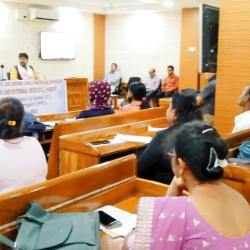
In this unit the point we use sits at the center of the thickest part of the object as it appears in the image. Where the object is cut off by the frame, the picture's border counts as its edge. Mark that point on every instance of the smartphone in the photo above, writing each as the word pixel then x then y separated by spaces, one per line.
pixel 109 221
pixel 99 142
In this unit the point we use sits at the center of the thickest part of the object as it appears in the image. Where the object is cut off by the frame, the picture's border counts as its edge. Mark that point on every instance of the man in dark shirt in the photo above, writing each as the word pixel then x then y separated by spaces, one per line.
pixel 206 99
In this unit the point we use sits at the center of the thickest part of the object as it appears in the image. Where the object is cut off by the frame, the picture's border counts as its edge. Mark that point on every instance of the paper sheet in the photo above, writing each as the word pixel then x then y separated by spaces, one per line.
pixel 133 138
pixel 70 119
pixel 121 138
pixel 152 129
pixel 127 220
pixel 51 124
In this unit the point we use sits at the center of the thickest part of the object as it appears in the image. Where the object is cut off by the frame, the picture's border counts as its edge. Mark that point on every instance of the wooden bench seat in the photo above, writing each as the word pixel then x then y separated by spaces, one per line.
pixel 76 152
pixel 84 190
pixel 92 124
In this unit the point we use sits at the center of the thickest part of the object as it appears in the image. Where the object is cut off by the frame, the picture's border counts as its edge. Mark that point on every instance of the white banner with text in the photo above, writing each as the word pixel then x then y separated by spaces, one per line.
pixel 40 97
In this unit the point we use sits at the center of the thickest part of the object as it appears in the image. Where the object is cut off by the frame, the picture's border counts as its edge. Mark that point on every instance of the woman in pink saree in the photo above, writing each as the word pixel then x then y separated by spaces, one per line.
pixel 212 217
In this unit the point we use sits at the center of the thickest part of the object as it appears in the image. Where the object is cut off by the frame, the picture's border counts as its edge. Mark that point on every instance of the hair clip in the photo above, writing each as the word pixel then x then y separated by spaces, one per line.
pixel 217 163
pixel 207 130
pixel 12 123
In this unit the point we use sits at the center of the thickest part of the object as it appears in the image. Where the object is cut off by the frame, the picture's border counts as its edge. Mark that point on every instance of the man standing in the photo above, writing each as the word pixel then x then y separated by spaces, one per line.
pixel 206 99
pixel 170 84
pixel 113 77
pixel 152 83
pixel 23 71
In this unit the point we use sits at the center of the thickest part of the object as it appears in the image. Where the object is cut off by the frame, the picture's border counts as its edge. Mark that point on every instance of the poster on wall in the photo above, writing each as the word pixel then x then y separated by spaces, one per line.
pixel 38 97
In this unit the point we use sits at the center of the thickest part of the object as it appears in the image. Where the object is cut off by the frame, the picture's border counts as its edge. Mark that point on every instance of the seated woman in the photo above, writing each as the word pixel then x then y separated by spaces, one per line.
pixel 154 164
pixel 99 94
pixel 213 216
pixel 23 162
pixel 136 98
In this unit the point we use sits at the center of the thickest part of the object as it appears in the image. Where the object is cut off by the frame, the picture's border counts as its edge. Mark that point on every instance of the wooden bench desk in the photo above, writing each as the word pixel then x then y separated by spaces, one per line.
pixel 76 152
pixel 91 124
pixel 84 190
pixel 60 117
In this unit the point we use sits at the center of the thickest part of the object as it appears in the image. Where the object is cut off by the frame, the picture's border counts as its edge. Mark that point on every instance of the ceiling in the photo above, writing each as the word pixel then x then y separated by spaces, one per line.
pixel 117 6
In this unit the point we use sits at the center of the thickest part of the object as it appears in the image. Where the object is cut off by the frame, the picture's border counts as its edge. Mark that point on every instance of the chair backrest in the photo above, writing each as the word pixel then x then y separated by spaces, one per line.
pixel 238 178
pixel 133 79
pixel 92 124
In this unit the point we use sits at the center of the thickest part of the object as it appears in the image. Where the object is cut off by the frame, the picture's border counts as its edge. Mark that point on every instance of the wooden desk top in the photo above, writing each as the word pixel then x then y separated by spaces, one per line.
pixel 81 142
pixel 128 202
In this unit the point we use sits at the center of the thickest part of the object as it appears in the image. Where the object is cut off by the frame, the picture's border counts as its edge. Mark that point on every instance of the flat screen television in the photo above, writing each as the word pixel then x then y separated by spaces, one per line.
pixel 209 37
pixel 57 46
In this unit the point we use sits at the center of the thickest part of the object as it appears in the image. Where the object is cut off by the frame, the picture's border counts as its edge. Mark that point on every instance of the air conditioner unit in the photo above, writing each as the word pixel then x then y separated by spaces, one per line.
pixel 42 14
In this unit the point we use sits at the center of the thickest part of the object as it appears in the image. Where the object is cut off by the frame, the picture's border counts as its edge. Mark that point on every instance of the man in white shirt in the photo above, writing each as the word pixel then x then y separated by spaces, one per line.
pixel 242 121
pixel 113 77
pixel 152 83
pixel 23 71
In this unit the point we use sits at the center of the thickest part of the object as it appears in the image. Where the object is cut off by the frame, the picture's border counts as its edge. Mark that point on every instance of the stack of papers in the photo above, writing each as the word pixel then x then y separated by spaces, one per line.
pixel 127 220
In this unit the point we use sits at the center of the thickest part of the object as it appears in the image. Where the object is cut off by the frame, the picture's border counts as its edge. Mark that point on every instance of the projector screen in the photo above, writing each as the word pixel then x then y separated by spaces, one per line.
pixel 57 46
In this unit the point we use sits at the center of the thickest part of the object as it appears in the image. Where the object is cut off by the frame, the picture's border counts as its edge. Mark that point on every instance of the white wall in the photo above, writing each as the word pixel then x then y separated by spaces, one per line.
pixel 24 36
pixel 143 40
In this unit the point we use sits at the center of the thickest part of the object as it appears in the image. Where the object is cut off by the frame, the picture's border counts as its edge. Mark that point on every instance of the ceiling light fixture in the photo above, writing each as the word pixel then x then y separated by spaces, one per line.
pixel 168 3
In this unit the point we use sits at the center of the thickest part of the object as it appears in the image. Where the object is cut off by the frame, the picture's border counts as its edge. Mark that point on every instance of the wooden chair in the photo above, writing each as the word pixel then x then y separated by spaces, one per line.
pixel 84 190
pixel 92 124
pixel 238 178
pixel 76 152
pixel 235 140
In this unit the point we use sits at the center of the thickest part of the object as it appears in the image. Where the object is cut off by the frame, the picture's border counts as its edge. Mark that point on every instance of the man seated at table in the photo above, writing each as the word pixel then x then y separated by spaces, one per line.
pixel 152 83
pixel 23 71
pixel 242 121
pixel 113 77
pixel 206 99
pixel 169 85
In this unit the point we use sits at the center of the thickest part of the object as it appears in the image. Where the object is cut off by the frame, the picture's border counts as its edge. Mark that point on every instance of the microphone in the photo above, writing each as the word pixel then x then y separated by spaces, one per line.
pixel 2 77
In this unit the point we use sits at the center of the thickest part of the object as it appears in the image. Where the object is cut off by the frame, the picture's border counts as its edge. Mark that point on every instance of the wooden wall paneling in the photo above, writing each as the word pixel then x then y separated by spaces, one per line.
pixel 233 61
pixel 189 63
pixel 99 47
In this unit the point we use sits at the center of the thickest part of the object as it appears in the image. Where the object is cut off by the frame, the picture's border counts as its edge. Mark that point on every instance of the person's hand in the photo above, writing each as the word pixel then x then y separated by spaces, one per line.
pixel 176 187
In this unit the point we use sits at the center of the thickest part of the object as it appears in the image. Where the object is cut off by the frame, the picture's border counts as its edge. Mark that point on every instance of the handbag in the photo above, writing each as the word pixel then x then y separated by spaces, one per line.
pixel 40 230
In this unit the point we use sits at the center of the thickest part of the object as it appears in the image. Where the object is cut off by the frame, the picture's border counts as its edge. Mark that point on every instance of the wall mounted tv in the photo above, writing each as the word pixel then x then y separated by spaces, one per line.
pixel 57 46
pixel 209 37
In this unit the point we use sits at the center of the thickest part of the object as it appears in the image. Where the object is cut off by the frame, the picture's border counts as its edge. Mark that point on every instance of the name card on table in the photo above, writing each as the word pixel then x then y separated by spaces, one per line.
pixel 40 97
